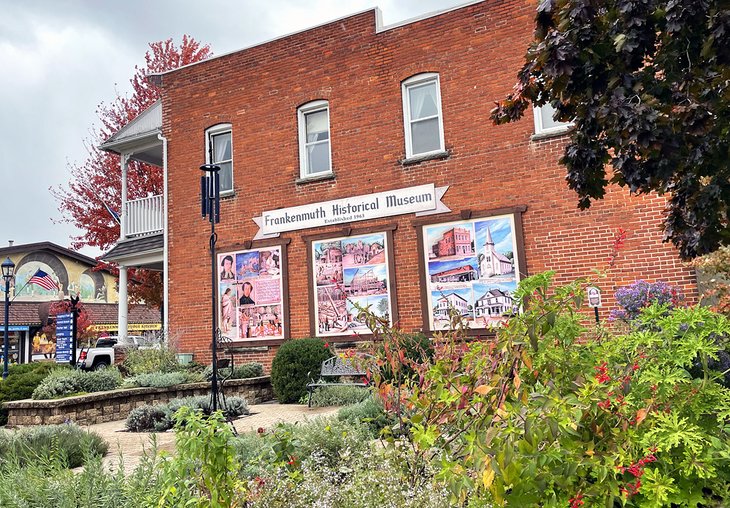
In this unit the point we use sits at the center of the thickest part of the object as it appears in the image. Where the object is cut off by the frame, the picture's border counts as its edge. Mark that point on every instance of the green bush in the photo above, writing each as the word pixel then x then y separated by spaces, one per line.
pixel 337 396
pixel 369 412
pixel 63 383
pixel 21 381
pixel 70 443
pixel 294 362
pixel 161 417
pixel 322 440
pixel 160 379
pixel 147 361
pixel 245 371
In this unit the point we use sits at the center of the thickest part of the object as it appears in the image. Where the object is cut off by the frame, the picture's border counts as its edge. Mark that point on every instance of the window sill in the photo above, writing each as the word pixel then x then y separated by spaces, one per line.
pixel 227 194
pixel 316 178
pixel 552 133
pixel 417 159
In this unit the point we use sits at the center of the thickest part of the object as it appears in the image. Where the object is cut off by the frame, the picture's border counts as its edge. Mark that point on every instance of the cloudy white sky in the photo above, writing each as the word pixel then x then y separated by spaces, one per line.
pixel 60 58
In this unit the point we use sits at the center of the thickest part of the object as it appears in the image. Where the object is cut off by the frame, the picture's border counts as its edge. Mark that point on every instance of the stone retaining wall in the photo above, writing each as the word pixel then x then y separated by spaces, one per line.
pixel 116 404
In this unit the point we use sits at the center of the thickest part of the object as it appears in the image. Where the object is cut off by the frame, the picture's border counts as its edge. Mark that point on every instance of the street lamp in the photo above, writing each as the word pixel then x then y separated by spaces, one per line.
pixel 8 269
pixel 210 208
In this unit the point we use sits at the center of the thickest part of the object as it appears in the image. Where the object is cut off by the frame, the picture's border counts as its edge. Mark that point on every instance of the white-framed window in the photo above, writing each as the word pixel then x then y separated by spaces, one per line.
pixel 315 154
pixel 422 118
pixel 544 122
pixel 219 150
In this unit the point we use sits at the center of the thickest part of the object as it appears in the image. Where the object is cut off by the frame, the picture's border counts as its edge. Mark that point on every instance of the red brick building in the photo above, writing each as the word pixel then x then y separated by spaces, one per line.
pixel 351 131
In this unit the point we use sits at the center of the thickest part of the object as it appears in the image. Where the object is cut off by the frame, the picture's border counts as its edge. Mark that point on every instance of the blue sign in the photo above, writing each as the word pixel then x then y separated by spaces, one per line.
pixel 14 328
pixel 64 337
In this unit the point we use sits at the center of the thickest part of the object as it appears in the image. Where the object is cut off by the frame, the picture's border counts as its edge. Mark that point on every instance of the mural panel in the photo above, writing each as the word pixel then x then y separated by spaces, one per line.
pixel 472 268
pixel 349 272
pixel 251 294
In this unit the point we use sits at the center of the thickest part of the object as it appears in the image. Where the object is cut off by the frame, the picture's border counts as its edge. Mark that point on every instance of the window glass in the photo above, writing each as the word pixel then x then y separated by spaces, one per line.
pixel 426 136
pixel 423 101
pixel 314 139
pixel 221 153
pixel 544 121
pixel 422 114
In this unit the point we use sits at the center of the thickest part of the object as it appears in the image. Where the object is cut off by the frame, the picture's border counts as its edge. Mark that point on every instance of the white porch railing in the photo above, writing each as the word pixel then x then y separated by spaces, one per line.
pixel 144 216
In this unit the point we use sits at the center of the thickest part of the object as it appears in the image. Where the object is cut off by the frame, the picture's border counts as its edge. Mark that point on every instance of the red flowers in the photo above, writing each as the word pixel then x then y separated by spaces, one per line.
pixel 637 471
pixel 326 345
pixel 602 373
pixel 577 501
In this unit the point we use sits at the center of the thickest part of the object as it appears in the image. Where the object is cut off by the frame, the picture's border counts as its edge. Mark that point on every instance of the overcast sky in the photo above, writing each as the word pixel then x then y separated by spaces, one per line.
pixel 60 58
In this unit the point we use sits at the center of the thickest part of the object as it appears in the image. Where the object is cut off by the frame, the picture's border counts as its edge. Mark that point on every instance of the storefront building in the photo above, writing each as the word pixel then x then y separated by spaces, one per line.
pixel 70 273
pixel 359 166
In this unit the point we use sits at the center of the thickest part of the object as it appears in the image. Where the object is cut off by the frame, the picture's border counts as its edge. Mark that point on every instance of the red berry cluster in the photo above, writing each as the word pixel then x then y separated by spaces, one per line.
pixel 637 471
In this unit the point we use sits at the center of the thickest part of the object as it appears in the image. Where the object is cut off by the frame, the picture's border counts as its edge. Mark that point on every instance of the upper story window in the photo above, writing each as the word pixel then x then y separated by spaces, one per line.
pixel 315 156
pixel 544 122
pixel 423 120
pixel 219 149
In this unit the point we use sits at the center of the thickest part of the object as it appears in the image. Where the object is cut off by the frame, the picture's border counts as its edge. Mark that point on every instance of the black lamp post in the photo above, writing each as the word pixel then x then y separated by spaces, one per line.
pixel 8 268
pixel 210 208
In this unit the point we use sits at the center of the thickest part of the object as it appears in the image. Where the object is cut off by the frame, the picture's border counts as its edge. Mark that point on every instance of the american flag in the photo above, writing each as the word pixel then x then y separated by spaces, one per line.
pixel 43 280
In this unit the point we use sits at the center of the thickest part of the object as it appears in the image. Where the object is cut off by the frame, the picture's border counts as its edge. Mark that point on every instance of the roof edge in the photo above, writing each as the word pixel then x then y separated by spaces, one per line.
pixel 156 78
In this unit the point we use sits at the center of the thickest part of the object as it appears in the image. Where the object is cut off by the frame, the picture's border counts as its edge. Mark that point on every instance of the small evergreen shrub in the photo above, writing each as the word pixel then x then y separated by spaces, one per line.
pixel 292 365
pixel 369 412
pixel 64 382
pixel 161 417
pixel 148 418
pixel 245 371
pixel 21 381
pixel 147 361
pixel 160 379
pixel 337 396
pixel 68 442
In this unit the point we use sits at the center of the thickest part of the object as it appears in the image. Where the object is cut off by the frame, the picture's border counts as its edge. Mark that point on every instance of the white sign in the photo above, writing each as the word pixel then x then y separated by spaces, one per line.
pixel 422 198
pixel 594 296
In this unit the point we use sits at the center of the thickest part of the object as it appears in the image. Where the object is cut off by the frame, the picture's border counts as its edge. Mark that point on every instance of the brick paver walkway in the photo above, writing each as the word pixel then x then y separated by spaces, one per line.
pixel 132 445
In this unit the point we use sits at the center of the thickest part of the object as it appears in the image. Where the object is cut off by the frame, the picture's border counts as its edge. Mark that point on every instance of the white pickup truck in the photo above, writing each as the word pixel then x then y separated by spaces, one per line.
pixel 101 356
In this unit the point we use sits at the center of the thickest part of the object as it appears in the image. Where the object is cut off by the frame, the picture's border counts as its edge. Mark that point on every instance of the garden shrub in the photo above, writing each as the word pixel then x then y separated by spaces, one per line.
pixel 417 349
pixel 161 417
pixel 634 297
pixel 64 382
pixel 244 371
pixel 147 361
pixel 160 379
pixel 555 413
pixel 68 442
pixel 370 412
pixel 21 381
pixel 294 362
pixel 337 396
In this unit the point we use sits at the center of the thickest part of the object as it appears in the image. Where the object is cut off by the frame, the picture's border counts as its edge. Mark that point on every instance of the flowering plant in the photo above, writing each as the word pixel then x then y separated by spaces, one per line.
pixel 641 294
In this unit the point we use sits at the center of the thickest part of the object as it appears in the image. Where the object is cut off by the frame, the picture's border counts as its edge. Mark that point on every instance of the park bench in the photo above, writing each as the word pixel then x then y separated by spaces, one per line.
pixel 338 367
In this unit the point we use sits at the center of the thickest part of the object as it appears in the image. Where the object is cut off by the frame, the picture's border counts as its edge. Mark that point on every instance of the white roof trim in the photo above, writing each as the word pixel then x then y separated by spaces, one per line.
pixel 147 122
pixel 379 28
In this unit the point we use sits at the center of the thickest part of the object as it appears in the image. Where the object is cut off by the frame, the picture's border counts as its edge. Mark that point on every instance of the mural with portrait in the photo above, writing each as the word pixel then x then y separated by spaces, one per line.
pixel 251 294
pixel 472 268
pixel 350 273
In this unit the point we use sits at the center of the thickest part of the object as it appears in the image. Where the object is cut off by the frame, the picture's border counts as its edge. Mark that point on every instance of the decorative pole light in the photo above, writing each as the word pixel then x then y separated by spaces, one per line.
pixel 210 208
pixel 8 269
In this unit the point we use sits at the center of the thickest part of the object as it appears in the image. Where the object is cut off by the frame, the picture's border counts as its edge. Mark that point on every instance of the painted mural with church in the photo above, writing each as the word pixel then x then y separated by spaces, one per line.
pixel 472 268
pixel 350 272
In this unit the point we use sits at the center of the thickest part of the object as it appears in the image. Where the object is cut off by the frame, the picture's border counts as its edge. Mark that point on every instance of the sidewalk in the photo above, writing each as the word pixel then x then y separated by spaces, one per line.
pixel 132 445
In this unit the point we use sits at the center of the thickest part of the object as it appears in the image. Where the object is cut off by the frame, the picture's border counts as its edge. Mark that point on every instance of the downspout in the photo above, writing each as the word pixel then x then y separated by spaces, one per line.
pixel 165 258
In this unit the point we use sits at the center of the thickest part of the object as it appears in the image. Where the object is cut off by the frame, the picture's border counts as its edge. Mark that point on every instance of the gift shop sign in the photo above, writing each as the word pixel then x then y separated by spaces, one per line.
pixel 421 200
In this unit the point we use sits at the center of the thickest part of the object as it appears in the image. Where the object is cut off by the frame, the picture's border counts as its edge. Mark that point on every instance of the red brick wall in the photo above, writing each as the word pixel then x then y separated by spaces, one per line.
pixel 477 51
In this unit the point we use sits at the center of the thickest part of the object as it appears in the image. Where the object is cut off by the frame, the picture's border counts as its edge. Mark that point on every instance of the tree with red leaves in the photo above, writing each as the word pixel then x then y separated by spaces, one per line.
pixel 98 180
pixel 84 332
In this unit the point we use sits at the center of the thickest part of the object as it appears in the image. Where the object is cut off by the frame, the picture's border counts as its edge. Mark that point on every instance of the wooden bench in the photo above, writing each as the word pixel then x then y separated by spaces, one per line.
pixel 337 367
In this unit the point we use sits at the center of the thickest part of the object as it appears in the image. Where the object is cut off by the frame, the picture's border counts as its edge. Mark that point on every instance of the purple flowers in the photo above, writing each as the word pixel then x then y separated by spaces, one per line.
pixel 640 294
